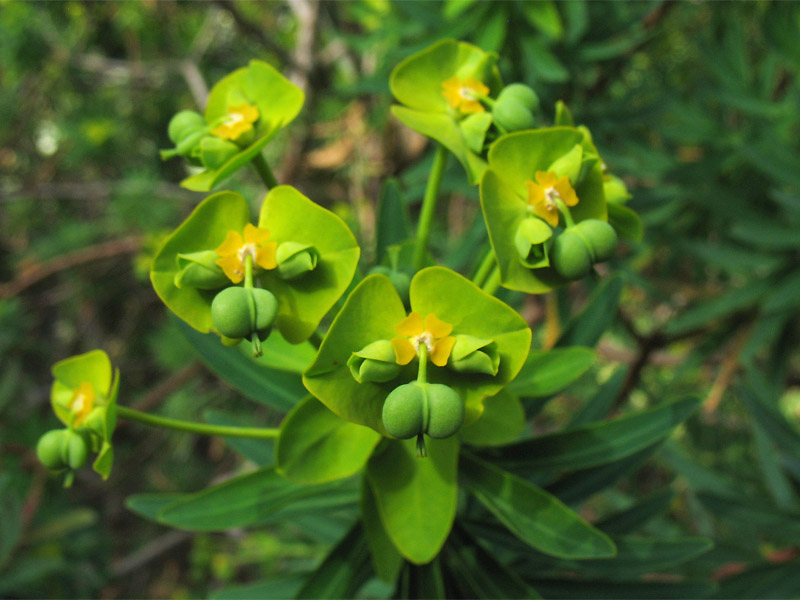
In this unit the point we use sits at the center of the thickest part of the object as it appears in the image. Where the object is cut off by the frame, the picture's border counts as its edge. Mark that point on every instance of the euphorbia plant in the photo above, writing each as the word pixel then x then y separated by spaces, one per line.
pixel 420 387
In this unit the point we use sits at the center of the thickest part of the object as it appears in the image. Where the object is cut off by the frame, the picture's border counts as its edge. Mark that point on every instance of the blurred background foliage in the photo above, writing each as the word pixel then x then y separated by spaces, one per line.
pixel 694 104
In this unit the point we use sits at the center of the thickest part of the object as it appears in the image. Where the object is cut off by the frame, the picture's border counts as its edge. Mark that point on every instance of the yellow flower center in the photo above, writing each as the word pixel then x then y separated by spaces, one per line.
pixel 82 403
pixel 434 334
pixel 236 248
pixel 239 120
pixel 463 94
pixel 545 193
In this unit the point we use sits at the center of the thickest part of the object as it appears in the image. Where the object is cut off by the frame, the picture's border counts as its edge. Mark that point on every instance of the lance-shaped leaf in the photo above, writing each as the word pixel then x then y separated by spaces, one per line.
pixel 386 560
pixel 278 102
pixel 548 372
pixel 417 83
pixel 514 160
pixel 416 497
pixel 533 515
pixel 316 446
pixel 371 313
pixel 596 444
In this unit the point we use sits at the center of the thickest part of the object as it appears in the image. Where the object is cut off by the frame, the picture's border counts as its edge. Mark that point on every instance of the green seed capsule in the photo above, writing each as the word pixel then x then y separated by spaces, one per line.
pixel 183 124
pixel 404 410
pixel 522 94
pixel 49 449
pixel 601 237
pixel 445 411
pixel 75 450
pixel 512 115
pixel 571 256
pixel 215 152
pixel 237 312
pixel 578 248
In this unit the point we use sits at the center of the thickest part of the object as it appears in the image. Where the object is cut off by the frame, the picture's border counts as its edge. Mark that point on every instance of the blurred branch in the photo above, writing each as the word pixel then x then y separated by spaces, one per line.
pixel 254 32
pixel 168 385
pixel 35 273
pixel 149 552
pixel 94 191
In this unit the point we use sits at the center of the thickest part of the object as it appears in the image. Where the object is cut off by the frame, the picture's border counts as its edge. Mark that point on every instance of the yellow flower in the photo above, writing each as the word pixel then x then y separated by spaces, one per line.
pixel 82 403
pixel 235 250
pixel 542 195
pixel 435 334
pixel 458 94
pixel 240 119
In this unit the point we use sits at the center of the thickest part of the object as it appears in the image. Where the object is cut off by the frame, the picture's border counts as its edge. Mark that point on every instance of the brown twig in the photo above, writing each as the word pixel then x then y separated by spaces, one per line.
pixel 727 371
pixel 35 273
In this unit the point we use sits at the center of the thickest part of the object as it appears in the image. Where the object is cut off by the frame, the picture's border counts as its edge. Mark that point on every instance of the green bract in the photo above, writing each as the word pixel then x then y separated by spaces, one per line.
pixel 290 217
pixel 515 159
pixel 278 102
pixel 95 369
pixel 371 313
pixel 417 83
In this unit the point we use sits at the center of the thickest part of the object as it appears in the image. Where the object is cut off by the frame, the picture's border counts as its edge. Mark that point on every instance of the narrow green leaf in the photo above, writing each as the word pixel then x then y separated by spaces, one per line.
pixel 753 516
pixel 10 517
pixel 536 517
pixel 392 223
pixel 416 497
pixel 149 505
pixel 762 404
pixel 619 590
pixel 548 372
pixel 261 452
pixel 730 302
pixel 775 479
pixel 343 571
pixel 478 574
pixel 316 446
pixel 281 389
pixel 599 405
pixel 626 222
pixel 426 581
pixel 543 15
pixel 596 444
pixel 577 487
pixel 274 588
pixel 600 312
pixel 632 518
pixel 763 580
pixel 386 560
pixel 255 498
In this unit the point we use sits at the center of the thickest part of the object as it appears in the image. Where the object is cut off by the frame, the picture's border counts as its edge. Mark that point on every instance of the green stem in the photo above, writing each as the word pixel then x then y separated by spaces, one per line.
pixel 564 210
pixel 493 282
pixel 248 285
pixel 485 268
pixel 266 174
pixel 422 373
pixel 202 428
pixel 429 206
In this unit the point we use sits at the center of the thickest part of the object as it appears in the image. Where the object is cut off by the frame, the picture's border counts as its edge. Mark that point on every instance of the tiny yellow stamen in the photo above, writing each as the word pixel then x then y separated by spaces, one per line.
pixel 461 95
pixel 236 248
pixel 82 403
pixel 434 334
pixel 240 120
pixel 543 193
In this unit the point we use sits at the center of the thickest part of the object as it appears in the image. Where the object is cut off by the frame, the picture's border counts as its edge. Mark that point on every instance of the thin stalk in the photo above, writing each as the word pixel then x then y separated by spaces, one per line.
pixel 248 285
pixel 422 372
pixel 564 210
pixel 201 428
pixel 429 206
pixel 266 174
pixel 493 282
pixel 485 268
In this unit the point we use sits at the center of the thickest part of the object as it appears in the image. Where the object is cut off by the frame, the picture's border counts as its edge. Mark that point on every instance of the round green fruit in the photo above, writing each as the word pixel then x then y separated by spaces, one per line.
pixel 75 450
pixel 404 411
pixel 237 312
pixel 445 411
pixel 49 449
pixel 570 255
pixel 512 115
pixel 183 124
pixel 601 237
pixel 521 93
